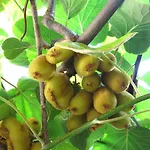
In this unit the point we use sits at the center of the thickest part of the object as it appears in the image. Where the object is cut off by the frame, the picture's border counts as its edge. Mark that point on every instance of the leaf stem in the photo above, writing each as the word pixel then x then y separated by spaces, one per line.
pixel 89 124
pixel 18 5
pixel 14 107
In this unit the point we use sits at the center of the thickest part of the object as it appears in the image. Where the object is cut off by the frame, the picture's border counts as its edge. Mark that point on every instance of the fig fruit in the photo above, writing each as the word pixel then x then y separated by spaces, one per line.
pixel 85 65
pixel 35 124
pixel 105 65
pixel 91 83
pixel 115 80
pixel 40 69
pixel 36 146
pixel 104 100
pixel 18 134
pixel 59 91
pixel 123 98
pixel 75 122
pixel 124 123
pixel 55 55
pixel 81 103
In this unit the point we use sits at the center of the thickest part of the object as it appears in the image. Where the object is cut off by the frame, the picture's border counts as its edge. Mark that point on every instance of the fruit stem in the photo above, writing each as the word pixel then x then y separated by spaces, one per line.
pixel 21 115
pixel 89 124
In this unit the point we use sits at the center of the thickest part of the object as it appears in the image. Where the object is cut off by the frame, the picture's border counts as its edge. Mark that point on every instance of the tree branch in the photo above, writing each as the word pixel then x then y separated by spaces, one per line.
pixel 99 22
pixel 48 21
pixel 39 45
pixel 89 124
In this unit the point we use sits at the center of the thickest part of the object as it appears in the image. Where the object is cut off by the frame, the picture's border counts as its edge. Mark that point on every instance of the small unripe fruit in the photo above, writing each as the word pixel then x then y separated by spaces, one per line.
pixel 104 100
pixel 91 83
pixel 115 80
pixel 124 98
pixel 81 103
pixel 85 65
pixel 105 65
pixel 40 69
pixel 56 55
pixel 75 122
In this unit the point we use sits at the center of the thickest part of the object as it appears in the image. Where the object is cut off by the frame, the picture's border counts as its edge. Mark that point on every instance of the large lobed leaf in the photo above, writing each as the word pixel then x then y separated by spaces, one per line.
pixel 132 15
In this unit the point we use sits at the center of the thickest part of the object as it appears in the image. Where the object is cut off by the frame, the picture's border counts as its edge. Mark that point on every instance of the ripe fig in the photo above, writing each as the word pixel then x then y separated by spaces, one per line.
pixel 19 136
pixel 35 124
pixel 115 80
pixel 81 103
pixel 104 100
pixel 123 98
pixel 85 65
pixel 55 55
pixel 75 122
pixel 105 65
pixel 40 69
pixel 36 146
pixel 91 83
pixel 123 123
pixel 59 91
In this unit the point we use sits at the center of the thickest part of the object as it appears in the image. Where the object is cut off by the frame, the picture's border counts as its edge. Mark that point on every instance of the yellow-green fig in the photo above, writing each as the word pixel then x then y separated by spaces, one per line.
pixel 56 54
pixel 81 103
pixel 115 80
pixel 104 100
pixel 105 65
pixel 91 83
pixel 19 135
pixel 124 123
pixel 75 122
pixel 59 91
pixel 35 124
pixel 85 65
pixel 123 98
pixel 40 69
pixel 36 146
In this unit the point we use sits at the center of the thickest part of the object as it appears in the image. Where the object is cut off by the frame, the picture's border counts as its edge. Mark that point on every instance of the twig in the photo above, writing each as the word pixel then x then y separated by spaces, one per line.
pixel 89 124
pixel 99 22
pixel 48 21
pixel 39 44
pixel 18 5
pixel 25 19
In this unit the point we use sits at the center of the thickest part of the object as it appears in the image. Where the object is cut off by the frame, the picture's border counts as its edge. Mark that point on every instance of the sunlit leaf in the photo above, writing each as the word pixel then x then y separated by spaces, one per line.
pixel 132 14
pixel 13 47
pixel 73 7
pixel 144 1
pixel 132 139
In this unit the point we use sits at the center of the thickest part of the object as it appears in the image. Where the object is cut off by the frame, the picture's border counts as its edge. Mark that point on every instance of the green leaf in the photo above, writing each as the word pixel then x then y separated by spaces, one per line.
pixel 80 22
pixel 144 1
pixel 4 94
pixel 3 35
pixel 132 139
pixel 79 140
pixel 13 47
pixel 84 49
pixel 73 7
pixel 2 4
pixel 135 16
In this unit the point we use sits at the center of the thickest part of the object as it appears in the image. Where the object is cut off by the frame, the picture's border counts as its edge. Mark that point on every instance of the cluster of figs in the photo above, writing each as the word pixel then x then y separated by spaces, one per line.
pixel 102 87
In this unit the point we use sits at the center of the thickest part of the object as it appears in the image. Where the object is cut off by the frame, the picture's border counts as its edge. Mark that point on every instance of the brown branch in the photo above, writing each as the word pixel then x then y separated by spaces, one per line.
pixel 48 21
pixel 25 19
pixel 39 44
pixel 99 22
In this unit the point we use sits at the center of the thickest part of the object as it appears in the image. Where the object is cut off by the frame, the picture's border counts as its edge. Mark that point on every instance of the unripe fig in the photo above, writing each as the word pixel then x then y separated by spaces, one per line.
pixel 124 123
pixel 75 122
pixel 40 69
pixel 36 146
pixel 59 91
pixel 55 55
pixel 104 100
pixel 19 136
pixel 115 80
pixel 81 103
pixel 85 65
pixel 91 83
pixel 123 98
pixel 105 65
pixel 35 124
